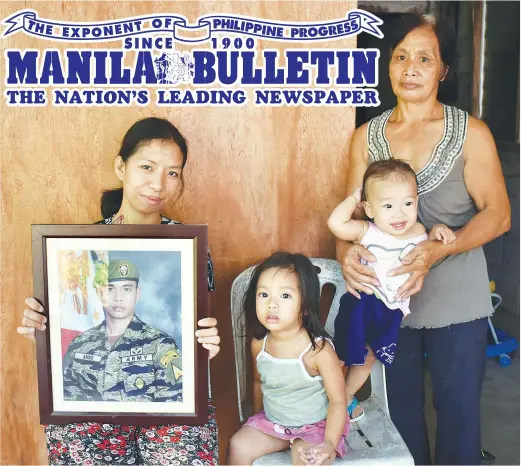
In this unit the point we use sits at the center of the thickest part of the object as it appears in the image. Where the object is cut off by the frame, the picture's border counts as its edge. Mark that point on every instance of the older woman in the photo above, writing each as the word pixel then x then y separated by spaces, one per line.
pixel 460 184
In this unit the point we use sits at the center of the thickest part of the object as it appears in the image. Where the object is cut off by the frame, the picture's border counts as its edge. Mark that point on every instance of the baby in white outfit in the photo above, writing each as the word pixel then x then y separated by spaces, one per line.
pixel 367 328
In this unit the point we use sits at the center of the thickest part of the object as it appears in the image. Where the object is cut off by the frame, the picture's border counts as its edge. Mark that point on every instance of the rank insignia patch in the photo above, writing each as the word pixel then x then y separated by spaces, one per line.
pixel 177 372
pixel 168 356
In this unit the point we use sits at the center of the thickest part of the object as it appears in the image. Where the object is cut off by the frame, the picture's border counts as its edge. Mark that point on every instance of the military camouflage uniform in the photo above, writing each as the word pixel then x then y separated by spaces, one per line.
pixel 143 365
pixel 90 443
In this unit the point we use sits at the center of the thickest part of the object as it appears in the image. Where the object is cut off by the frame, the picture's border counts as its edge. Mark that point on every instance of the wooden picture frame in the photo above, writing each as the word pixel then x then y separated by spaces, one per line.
pixel 89 373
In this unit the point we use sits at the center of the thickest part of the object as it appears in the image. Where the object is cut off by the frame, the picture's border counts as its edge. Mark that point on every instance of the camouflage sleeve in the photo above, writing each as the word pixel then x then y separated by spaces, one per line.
pixel 77 387
pixel 71 388
pixel 169 372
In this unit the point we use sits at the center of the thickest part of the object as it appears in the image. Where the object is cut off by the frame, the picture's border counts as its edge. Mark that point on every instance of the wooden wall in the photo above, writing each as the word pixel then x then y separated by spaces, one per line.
pixel 262 178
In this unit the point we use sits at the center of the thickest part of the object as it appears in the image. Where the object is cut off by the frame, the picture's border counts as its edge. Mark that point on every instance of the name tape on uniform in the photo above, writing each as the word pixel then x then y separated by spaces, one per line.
pixel 87 357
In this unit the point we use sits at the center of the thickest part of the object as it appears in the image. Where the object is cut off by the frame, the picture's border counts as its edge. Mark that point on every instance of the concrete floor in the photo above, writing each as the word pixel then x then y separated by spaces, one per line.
pixel 500 412
pixel 500 400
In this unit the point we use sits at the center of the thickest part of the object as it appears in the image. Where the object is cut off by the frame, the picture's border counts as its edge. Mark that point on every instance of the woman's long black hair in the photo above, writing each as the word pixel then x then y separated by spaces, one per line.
pixel 139 134
pixel 309 287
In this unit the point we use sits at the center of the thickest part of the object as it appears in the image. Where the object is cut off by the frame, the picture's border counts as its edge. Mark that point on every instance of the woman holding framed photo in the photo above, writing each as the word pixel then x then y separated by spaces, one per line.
pixel 150 166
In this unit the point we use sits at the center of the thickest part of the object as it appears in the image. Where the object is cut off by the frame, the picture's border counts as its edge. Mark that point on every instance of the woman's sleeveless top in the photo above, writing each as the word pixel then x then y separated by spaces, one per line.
pixel 456 289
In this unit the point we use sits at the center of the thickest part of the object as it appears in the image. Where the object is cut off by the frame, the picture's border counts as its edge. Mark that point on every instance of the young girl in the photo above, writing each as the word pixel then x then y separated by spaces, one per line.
pixel 299 397
pixel 367 328
pixel 150 166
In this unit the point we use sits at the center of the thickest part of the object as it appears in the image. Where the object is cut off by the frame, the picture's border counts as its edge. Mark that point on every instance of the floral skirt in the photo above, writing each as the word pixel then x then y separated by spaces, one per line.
pixel 89 443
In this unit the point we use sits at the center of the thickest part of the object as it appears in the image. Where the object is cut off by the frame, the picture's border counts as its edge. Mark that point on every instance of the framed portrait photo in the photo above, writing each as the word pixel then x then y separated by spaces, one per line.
pixel 122 304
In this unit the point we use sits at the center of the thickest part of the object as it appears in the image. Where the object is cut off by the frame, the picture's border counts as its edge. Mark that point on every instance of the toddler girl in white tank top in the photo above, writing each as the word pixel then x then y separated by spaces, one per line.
pixel 299 397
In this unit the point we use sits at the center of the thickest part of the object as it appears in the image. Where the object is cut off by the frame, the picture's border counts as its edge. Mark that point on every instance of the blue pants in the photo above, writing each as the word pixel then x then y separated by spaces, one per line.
pixel 456 361
pixel 366 321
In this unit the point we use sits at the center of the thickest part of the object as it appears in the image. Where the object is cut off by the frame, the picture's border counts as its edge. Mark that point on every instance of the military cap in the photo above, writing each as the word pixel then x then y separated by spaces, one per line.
pixel 122 269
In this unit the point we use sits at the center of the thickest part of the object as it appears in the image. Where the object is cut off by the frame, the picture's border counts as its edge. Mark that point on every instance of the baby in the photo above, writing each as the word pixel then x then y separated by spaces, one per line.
pixel 367 328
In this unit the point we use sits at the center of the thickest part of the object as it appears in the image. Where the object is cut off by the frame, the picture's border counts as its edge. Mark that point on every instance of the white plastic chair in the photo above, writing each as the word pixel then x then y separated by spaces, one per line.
pixel 372 440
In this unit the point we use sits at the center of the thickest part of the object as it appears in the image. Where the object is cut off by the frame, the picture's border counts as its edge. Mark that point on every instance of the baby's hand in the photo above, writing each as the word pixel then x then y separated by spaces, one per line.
pixel 442 233
pixel 357 195
pixel 317 454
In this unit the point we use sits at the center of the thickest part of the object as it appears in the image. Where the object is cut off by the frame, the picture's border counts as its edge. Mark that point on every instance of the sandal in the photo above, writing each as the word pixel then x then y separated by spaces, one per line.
pixel 352 407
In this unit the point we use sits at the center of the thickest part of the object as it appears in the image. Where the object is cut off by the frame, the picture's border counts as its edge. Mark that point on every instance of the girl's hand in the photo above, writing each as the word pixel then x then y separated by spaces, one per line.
pixel 317 454
pixel 209 336
pixel 33 319
pixel 442 233
pixel 355 273
pixel 418 263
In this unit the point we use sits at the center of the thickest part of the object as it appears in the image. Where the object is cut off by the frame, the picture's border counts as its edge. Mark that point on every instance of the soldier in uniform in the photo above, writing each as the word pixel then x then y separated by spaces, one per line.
pixel 123 358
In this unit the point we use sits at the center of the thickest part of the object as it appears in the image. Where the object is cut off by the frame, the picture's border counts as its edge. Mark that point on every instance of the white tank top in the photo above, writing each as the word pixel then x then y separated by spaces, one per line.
pixel 291 397
pixel 389 252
